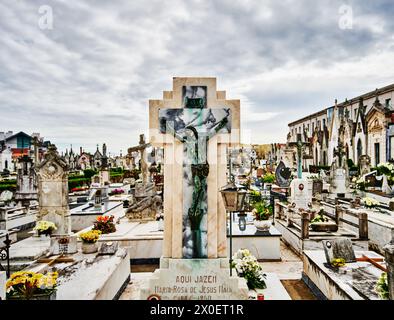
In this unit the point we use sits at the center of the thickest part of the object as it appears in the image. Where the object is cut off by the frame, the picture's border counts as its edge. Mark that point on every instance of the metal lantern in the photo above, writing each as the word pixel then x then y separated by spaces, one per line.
pixel 233 197
pixel 234 201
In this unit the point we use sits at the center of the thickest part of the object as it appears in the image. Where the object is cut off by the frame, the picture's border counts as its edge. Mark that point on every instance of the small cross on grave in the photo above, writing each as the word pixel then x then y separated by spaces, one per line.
pixel 56 259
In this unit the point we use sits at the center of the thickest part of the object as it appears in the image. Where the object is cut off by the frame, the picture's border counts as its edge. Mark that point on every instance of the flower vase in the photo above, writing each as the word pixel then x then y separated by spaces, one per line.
pixel 160 225
pixel 43 237
pixel 262 225
pixel 197 244
pixel 89 247
pixel 42 296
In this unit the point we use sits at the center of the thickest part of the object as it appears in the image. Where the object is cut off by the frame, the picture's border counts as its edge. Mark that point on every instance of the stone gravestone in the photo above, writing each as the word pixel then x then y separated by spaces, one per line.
pixel 339 248
pixel 63 245
pixel 26 181
pixel 365 164
pixel 282 175
pixel 193 124
pixel 3 281
pixel 317 187
pixel 52 176
pixel 339 173
pixel 385 186
pixel 300 195
pixel 5 196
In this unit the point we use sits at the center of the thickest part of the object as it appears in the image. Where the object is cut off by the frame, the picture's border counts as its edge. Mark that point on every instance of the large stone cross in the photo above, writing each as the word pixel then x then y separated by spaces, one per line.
pixel 195 124
pixel 300 149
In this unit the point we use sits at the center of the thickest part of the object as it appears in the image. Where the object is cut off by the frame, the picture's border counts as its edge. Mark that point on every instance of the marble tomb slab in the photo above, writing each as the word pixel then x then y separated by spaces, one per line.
pixel 91 276
pixel 264 245
pixel 357 283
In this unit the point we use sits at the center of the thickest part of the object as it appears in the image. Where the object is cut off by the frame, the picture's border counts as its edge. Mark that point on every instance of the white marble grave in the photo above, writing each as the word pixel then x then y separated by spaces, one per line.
pixel 301 194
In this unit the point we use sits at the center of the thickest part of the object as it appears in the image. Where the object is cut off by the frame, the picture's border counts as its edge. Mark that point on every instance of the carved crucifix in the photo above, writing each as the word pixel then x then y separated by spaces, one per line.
pixel 141 149
pixel 194 126
pixel 300 145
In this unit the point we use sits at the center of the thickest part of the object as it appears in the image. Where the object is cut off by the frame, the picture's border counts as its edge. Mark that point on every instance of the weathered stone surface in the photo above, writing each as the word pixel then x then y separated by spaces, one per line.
pixel 3 280
pixel 339 248
pixel 194 279
pixel 53 191
pixel 108 248
pixel 63 245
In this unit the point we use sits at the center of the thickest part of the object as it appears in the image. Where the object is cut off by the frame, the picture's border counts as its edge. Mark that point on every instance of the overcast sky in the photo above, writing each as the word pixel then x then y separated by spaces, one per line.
pixel 89 78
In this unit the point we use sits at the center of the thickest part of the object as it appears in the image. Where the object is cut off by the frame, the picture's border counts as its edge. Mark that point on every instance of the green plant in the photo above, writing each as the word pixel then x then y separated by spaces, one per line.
pixel 382 286
pixel 255 196
pixel 319 218
pixel 89 173
pixel 269 178
pixel 262 210
pixel 350 163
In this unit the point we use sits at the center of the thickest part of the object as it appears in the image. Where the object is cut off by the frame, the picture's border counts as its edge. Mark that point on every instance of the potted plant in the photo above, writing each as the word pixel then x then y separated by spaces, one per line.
pixel 160 221
pixel 247 267
pixel 262 212
pixel 105 224
pixel 45 228
pixel 29 285
pixel 89 241
pixel 322 224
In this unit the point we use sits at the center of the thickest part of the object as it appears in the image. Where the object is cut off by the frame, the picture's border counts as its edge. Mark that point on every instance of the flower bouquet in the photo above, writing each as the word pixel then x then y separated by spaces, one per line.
pixel 45 228
pixel 116 192
pixel 105 224
pixel 89 241
pixel 247 267
pixel 31 285
pixel 370 202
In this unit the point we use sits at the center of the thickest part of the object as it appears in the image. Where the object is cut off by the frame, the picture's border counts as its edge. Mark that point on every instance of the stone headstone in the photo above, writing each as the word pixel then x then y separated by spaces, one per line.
pixel 52 176
pixel 5 196
pixel 63 245
pixel 364 164
pixel 317 187
pixel 385 186
pixel 282 175
pixel 339 248
pixel 3 281
pixel 108 248
pixel 26 181
pixel 300 194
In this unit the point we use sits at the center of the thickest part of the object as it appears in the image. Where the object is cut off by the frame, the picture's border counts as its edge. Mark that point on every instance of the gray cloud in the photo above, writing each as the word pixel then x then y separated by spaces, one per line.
pixel 88 80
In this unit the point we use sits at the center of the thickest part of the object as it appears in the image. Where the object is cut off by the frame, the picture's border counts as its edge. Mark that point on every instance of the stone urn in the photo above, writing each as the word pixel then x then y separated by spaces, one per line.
pixel 262 225
pixel 89 247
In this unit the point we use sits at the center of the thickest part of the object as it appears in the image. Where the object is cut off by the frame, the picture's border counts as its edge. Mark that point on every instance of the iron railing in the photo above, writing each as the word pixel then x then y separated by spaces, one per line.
pixel 5 255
